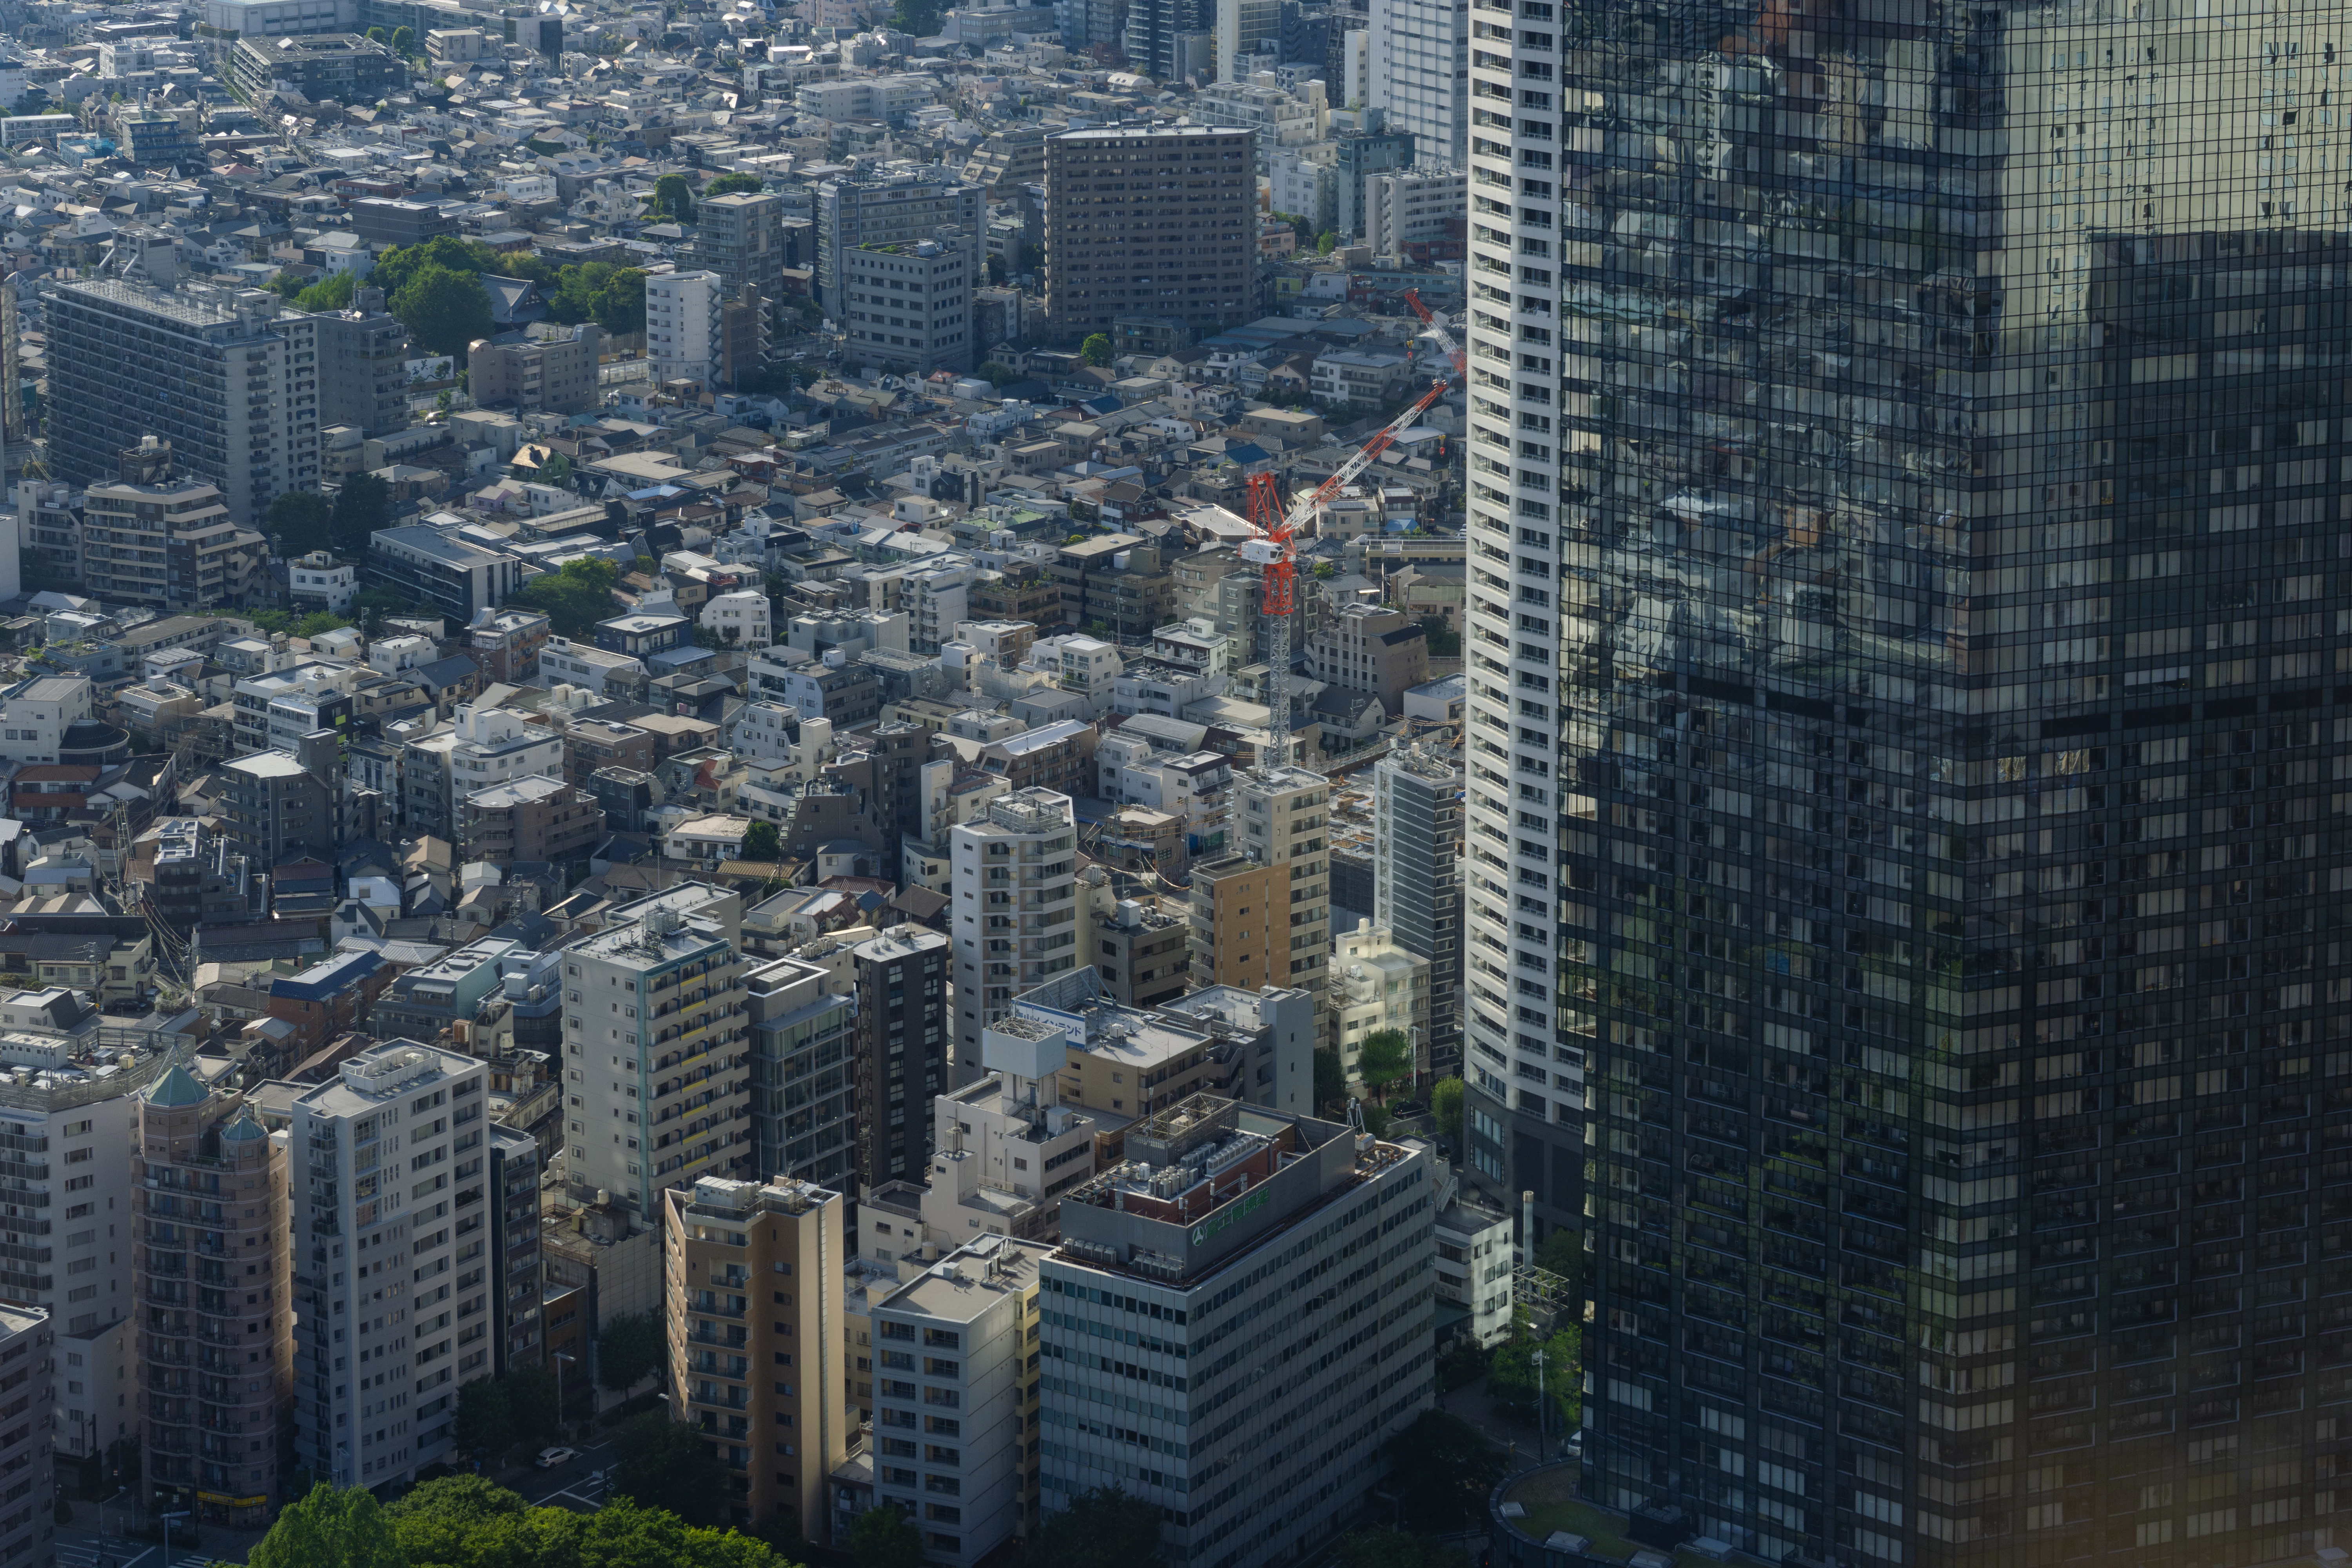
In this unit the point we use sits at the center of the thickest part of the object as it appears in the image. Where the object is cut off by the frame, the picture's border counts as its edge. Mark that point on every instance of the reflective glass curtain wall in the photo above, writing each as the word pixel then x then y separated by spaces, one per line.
pixel 1907 570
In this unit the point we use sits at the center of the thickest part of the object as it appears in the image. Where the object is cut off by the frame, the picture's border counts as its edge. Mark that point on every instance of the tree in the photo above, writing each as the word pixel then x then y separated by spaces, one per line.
pixel 1331 1079
pixel 1441 1466
pixel 485 1419
pixel 395 267
pixel 1512 1376
pixel 920 17
pixel 1326 243
pixel 998 375
pixel 621 306
pixel 885 1538
pixel 330 1529
pixel 403 42
pixel 574 600
pixel 1444 642
pixel 731 185
pixel 1562 1253
pixel 378 35
pixel 332 292
pixel 536 1399
pixel 1385 1061
pixel 1104 1528
pixel 668 1460
pixel 762 842
pixel 1388 1549
pixel 1445 1107
pixel 287 285
pixel 995 269
pixel 1096 349
pixel 631 1347
pixel 444 311
pixel 300 522
pixel 362 506
pixel 673 198
pixel 439 1521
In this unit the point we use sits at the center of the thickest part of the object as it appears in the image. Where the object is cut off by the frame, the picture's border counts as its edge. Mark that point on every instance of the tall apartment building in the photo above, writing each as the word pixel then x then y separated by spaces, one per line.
pixel 752 1276
pixel 1240 27
pixel 1929 839
pixel 899 204
pixel 552 375
pixel 954 1387
pixel 1361 157
pixel 165 541
pixel 362 366
pixel 1417 870
pixel 518 1328
pixel 230 380
pixel 66 1215
pixel 1377 984
pixel 741 236
pixel 1171 40
pixel 1016 909
pixel 391 1261
pixel 656 1050
pixel 804 1101
pixel 1186 1253
pixel 28 1356
pixel 1281 816
pixel 1238 923
pixel 901 1062
pixel 908 305
pixel 1419 70
pixel 1415 206
pixel 1150 222
pixel 682 338
pixel 215 1301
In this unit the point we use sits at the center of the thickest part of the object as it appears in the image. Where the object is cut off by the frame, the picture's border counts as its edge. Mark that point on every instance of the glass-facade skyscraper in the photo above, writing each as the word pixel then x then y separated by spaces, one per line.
pixel 1908 584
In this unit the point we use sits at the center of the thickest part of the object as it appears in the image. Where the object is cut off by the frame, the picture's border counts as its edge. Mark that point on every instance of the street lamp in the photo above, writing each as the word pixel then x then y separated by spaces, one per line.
pixel 560 1356
pixel 119 1493
pixel 167 1536
pixel 1543 1426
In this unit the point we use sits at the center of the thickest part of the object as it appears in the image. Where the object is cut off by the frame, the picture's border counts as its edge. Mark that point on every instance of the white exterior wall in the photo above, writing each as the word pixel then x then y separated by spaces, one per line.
pixel 682 324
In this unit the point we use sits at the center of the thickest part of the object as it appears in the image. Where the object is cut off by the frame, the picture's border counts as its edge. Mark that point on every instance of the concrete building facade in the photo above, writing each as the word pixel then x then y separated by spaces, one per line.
pixel 1158 221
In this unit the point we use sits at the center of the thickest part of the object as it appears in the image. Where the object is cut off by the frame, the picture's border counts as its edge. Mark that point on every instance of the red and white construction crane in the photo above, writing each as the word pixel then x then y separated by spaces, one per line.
pixel 1275 551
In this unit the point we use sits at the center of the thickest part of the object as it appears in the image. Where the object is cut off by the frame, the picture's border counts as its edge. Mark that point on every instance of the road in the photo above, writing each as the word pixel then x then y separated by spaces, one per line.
pixel 575 1484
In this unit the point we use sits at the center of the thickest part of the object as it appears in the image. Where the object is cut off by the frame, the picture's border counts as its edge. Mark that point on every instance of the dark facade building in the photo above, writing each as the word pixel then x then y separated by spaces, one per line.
pixel 1156 222
pixel 517 1332
pixel 343 67
pixel 1900 873
pixel 900 1050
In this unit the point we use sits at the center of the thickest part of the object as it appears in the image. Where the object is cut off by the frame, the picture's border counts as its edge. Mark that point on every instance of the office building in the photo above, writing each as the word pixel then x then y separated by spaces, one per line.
pixel 433 568
pixel 1141 951
pixel 953 1383
pixel 1875 847
pixel 804 1102
pixel 387 221
pixel 899 204
pixel 753 1308
pixel 1417 880
pixel 901 1033
pixel 539 375
pixel 656 1049
pixel 682 325
pixel 390 1230
pixel 1474 1267
pixel 1016 912
pixel 28 1355
pixel 1204 1232
pixel 362 365
pixel 229 380
pixel 428 1001
pixel 343 67
pixel 908 305
pixel 1172 40
pixel 1377 985
pixel 1419 74
pixel 216 1318
pixel 1150 222
pixel 518 1326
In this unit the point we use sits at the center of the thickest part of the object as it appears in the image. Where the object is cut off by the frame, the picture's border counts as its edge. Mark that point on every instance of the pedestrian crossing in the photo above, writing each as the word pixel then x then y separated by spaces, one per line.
pixel 130 1554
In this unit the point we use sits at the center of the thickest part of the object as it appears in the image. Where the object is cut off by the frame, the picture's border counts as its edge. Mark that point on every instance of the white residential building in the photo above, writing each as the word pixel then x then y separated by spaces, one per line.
pixel 496 746
pixel 35 715
pixel 656 1088
pixel 739 618
pixel 953 1372
pixel 1015 911
pixel 1405 206
pixel 392 1241
pixel 1419 75
pixel 562 662
pixel 682 325
pixel 1376 984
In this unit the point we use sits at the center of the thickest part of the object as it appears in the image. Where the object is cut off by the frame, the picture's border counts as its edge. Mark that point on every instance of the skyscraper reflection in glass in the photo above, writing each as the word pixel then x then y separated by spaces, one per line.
pixel 1909 596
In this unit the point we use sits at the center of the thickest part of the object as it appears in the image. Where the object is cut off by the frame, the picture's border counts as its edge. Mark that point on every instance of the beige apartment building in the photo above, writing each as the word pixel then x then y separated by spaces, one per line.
pixel 752 1276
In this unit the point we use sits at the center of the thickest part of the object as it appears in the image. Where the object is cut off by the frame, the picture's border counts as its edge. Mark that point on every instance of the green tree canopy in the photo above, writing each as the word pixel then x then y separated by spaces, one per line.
pixel 762 842
pixel 332 292
pixel 330 1529
pixel 1563 1252
pixel 1441 1466
pixel 631 1347
pixel 1096 349
pixel 485 1419
pixel 300 520
pixel 1326 243
pixel 574 600
pixel 1104 1528
pixel 444 311
pixel 920 17
pixel 536 1399
pixel 287 285
pixel 669 1459
pixel 403 41
pixel 1512 1375
pixel 1385 1060
pixel 885 1538
pixel 395 267
pixel 435 1522
pixel 1446 1107
pixel 362 506
pixel 673 198
pixel 621 305
pixel 732 184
